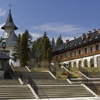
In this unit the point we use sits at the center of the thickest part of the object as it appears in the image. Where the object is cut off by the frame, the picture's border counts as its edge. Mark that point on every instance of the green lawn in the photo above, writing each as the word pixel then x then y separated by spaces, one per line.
pixel 92 69
pixel 41 69
pixel 61 74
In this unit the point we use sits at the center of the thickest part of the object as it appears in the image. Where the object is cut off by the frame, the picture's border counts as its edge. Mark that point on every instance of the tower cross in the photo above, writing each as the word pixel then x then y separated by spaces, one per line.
pixel 10 5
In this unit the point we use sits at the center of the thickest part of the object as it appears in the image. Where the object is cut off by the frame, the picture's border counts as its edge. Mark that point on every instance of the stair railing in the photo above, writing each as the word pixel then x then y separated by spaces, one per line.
pixel 92 86
pixel 44 93
pixel 83 71
pixel 33 84
pixel 52 69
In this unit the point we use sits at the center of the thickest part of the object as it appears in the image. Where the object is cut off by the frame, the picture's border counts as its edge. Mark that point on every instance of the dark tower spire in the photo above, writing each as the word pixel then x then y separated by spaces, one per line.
pixel 9 22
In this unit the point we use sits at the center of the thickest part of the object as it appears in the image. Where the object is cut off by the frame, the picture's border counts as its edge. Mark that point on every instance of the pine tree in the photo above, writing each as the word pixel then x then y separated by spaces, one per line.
pixel 16 51
pixel 46 45
pixel 23 50
pixel 53 43
pixel 49 55
pixel 59 41
pixel 37 48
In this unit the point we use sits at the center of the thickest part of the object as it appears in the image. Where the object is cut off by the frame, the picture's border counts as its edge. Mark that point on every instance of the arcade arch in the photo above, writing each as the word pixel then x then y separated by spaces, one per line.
pixel 85 63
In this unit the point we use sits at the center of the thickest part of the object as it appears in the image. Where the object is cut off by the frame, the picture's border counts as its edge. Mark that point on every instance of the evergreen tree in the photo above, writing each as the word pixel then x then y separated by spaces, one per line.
pixel 23 50
pixel 40 48
pixel 59 41
pixel 29 37
pixel 45 35
pixel 46 45
pixel 49 55
pixel 53 43
pixel 29 40
pixel 16 51
pixel 37 48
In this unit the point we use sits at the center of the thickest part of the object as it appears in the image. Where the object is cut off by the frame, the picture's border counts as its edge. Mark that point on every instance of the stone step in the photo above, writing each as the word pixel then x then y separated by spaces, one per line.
pixel 15 92
pixel 63 91
pixel 9 82
pixel 37 75
pixel 21 69
pixel 50 82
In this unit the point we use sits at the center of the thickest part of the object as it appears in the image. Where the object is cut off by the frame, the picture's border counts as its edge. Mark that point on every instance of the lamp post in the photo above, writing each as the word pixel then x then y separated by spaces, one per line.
pixel 4 45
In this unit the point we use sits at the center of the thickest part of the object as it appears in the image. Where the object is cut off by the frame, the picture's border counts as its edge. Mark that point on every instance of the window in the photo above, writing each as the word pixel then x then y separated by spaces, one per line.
pixel 74 44
pixel 97 47
pixel 91 49
pixel 64 54
pixel 70 54
pixel 79 42
pixel 85 50
pixel 79 51
pixel 75 53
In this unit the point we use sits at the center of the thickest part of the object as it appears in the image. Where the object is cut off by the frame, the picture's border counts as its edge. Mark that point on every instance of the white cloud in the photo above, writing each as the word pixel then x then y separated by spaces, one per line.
pixel 65 38
pixel 35 35
pixel 59 28
pixel 2 12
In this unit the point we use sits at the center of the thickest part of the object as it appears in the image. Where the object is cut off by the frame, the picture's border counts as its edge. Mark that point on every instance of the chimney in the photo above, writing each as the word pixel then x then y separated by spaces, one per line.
pixel 98 31
pixel 89 32
pixel 94 30
pixel 83 36
pixel 87 35
pixel 67 41
pixel 74 38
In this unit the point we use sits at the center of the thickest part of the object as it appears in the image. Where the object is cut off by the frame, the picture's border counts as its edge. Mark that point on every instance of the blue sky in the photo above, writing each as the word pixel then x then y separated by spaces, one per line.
pixel 68 18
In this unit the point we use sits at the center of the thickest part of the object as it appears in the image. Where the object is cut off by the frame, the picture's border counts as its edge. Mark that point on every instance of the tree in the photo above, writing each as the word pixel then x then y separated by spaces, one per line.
pixel 53 43
pixel 59 41
pixel 37 48
pixel 16 50
pixel 29 37
pixel 40 49
pixel 46 45
pixel 49 55
pixel 23 50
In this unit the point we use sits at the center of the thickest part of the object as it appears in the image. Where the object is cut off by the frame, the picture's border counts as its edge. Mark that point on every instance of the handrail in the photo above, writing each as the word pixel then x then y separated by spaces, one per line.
pixel 44 93
pixel 92 86
pixel 20 75
pixel 89 83
pixel 52 69
pixel 33 84
pixel 83 71
pixel 11 69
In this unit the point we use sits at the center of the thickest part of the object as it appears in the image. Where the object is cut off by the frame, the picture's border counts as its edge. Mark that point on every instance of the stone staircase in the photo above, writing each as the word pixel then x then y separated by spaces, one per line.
pixel 20 69
pixel 15 92
pixel 47 87
pixel 50 82
pixel 37 75
pixel 34 75
pixel 9 82
pixel 58 91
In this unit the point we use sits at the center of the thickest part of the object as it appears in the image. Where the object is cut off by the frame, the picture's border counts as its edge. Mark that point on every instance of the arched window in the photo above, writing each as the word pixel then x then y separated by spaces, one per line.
pixel 85 63
pixel 80 63
pixel 91 62
pixel 74 64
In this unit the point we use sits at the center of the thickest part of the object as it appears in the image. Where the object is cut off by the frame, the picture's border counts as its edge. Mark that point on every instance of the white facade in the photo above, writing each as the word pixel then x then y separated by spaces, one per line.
pixel 8 32
pixel 16 64
pixel 85 61
pixel 10 37
pixel 85 55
